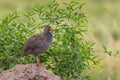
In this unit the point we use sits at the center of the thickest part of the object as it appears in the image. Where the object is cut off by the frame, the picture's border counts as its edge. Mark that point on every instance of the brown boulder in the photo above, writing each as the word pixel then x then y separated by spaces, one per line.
pixel 28 72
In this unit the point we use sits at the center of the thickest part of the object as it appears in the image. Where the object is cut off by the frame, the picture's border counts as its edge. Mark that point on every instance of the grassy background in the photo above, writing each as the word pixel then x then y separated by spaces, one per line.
pixel 104 21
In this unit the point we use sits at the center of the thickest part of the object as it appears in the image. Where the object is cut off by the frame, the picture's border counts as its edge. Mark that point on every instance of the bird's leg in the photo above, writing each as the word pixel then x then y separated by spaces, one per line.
pixel 38 62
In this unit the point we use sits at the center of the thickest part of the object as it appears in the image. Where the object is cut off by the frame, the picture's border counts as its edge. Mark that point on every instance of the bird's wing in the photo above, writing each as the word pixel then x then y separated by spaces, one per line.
pixel 33 43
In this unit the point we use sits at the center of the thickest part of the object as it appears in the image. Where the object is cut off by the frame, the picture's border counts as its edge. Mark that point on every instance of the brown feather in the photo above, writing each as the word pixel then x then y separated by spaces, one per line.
pixel 32 43
pixel 38 43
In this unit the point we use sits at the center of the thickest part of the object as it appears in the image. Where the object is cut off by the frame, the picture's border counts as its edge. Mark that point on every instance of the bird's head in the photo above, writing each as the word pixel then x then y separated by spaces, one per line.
pixel 48 28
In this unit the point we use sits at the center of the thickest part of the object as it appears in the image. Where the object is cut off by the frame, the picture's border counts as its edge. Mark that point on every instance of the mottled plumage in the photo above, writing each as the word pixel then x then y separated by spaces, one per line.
pixel 38 43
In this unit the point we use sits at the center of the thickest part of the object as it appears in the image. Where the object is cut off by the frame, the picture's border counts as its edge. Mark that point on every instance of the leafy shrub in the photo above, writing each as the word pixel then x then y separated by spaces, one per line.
pixel 69 54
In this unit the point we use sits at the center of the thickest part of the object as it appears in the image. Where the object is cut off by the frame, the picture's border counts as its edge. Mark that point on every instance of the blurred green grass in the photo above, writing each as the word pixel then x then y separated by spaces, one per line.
pixel 104 21
pixel 105 14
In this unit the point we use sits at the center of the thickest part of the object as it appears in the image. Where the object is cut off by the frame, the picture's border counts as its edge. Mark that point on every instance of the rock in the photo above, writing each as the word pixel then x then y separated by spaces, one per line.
pixel 28 72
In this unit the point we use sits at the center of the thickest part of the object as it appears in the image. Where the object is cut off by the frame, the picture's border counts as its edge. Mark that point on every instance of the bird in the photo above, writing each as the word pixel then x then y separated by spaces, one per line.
pixel 38 44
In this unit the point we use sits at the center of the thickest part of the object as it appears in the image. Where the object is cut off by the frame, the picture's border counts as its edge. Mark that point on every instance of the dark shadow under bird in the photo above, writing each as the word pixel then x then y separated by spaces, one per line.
pixel 38 44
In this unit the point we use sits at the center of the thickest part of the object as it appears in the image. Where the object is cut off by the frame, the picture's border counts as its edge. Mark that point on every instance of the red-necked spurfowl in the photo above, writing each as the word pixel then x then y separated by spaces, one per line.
pixel 38 44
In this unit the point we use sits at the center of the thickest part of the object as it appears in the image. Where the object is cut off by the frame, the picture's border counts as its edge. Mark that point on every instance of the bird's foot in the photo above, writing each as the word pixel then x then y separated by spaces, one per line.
pixel 39 65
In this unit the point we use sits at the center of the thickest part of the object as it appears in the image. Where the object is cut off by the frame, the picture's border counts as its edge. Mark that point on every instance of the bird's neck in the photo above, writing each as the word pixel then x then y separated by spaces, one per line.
pixel 48 34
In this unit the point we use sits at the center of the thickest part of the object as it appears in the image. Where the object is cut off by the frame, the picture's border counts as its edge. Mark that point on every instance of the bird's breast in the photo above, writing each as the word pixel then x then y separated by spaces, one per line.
pixel 45 45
